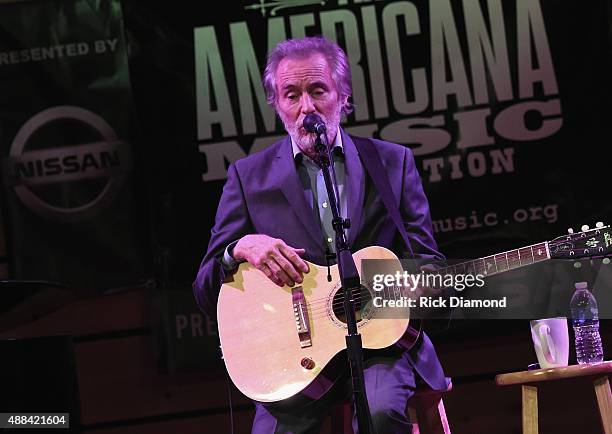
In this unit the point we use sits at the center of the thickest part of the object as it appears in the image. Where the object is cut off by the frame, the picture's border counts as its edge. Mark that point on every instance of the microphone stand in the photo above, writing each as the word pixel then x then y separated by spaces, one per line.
pixel 350 281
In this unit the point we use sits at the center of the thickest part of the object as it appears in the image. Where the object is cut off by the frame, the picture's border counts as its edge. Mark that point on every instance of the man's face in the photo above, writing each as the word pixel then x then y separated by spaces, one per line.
pixel 303 86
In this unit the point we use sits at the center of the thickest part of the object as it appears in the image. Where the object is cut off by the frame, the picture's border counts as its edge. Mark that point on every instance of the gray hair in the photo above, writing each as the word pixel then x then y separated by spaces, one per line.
pixel 300 48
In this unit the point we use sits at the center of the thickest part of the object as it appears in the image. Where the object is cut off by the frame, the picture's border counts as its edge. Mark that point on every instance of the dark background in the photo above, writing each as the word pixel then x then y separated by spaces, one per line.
pixel 114 319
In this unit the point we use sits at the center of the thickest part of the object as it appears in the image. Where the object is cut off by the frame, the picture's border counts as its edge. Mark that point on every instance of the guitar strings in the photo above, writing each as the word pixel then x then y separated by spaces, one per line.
pixel 336 304
pixel 317 311
pixel 319 303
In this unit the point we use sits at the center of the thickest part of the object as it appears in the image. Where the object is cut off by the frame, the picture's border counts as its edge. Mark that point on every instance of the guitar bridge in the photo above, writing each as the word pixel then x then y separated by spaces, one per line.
pixel 300 311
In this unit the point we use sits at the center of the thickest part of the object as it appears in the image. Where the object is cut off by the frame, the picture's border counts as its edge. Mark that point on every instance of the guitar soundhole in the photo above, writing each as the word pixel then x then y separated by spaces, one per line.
pixel 363 304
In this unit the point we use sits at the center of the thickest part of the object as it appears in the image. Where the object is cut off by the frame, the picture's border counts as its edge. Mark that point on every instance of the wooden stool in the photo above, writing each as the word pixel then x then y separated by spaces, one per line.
pixel 427 413
pixel 598 373
pixel 425 408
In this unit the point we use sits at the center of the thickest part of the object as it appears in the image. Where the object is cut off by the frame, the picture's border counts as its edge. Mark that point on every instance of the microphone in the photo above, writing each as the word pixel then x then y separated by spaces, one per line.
pixel 314 124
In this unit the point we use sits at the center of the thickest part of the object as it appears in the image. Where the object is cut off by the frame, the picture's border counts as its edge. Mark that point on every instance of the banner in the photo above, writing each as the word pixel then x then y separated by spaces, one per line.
pixel 185 339
pixel 67 161
pixel 504 105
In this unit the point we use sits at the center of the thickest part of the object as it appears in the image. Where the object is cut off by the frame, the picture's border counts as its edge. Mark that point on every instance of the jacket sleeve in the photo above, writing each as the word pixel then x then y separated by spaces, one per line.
pixel 232 222
pixel 414 210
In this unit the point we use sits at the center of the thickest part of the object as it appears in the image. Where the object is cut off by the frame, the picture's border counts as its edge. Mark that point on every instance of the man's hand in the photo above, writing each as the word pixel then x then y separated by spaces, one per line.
pixel 281 263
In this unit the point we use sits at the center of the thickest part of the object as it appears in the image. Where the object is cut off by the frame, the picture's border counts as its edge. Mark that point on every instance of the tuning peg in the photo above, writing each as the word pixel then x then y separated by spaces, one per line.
pixel 584 228
pixel 606 261
pixel 599 225
pixel 570 231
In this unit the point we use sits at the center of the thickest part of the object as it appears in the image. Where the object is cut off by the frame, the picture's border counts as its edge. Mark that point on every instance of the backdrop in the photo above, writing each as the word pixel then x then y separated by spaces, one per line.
pixel 119 120
pixel 505 105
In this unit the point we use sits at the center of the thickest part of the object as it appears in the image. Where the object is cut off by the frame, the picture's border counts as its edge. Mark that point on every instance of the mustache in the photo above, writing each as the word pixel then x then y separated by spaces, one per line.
pixel 299 126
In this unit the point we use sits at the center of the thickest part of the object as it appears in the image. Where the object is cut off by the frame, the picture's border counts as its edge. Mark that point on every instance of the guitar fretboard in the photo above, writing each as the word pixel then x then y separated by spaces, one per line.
pixel 498 263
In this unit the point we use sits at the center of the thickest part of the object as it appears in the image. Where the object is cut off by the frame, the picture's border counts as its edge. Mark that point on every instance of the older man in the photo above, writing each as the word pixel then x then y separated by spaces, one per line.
pixel 274 214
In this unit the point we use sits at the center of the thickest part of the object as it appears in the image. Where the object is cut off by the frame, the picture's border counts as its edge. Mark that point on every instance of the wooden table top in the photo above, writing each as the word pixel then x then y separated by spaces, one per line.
pixel 549 374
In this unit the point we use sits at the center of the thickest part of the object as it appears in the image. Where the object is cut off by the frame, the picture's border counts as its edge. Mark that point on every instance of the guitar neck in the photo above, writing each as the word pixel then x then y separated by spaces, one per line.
pixel 501 262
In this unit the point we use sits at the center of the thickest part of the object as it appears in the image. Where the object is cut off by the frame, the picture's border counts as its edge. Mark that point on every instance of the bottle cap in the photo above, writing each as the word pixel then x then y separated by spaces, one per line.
pixel 581 285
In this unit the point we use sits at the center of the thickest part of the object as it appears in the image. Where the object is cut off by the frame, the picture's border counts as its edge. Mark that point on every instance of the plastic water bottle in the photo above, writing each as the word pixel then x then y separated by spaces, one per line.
pixel 585 319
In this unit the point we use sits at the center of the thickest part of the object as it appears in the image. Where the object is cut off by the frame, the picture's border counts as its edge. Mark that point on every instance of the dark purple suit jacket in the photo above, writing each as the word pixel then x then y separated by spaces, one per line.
pixel 264 195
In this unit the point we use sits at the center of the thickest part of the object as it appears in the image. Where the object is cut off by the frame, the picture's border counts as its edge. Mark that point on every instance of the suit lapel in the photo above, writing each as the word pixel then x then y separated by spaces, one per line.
pixel 355 184
pixel 291 187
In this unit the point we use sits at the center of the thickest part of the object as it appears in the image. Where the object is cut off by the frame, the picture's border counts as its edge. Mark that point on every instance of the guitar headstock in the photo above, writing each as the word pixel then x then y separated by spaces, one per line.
pixel 587 243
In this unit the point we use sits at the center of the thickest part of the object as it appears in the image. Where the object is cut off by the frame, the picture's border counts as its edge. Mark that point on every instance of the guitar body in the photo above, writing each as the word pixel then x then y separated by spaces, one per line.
pixel 267 356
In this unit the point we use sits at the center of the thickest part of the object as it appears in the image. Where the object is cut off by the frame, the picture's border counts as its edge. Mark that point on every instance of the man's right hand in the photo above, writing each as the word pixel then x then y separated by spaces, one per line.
pixel 281 263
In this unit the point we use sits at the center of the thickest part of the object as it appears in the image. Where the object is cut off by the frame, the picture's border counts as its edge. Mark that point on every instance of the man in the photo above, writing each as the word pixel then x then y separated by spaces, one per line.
pixel 274 214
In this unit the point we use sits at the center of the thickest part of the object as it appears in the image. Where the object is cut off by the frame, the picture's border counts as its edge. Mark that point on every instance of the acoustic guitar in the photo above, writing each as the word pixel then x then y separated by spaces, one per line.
pixel 276 342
